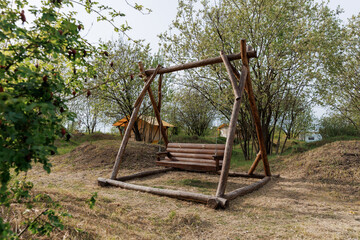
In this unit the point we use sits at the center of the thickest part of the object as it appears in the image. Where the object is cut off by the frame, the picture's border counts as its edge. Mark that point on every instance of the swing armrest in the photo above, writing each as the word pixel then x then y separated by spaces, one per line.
pixel 217 158
pixel 162 154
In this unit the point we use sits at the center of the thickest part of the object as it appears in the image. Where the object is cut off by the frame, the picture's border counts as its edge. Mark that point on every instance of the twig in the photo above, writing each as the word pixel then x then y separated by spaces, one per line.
pixel 27 226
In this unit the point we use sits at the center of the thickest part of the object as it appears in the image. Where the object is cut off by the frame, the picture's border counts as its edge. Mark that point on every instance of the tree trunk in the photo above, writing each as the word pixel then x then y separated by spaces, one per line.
pixel 137 132
pixel 283 147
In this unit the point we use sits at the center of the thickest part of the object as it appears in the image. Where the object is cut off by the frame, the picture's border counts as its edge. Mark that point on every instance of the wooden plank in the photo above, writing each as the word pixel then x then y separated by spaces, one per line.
pixel 212 201
pixel 248 189
pixel 230 72
pixel 197 145
pixel 203 167
pixel 191 160
pixel 191 155
pixel 127 134
pixel 200 63
pixel 245 175
pixel 194 150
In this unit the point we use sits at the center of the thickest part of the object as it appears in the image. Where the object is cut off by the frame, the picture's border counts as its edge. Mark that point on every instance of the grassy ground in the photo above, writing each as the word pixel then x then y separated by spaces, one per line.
pixel 316 197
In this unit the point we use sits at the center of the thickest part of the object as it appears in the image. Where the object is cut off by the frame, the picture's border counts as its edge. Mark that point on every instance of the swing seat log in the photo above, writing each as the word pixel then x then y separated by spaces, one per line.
pixel 193 157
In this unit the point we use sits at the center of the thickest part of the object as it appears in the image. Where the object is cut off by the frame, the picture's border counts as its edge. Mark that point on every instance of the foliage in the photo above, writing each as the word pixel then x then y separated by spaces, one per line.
pixel 117 97
pixel 39 213
pixel 192 111
pixel 88 114
pixel 340 89
pixel 335 125
pixel 91 202
pixel 293 39
pixel 42 61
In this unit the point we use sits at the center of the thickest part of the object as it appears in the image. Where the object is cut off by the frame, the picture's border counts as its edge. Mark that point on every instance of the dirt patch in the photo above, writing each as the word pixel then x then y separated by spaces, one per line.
pixel 102 154
pixel 335 165
pixel 315 198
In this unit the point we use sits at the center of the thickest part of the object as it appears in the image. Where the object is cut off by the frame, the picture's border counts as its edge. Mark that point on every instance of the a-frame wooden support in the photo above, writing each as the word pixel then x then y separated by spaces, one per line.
pixel 131 123
pixel 239 82
pixel 244 78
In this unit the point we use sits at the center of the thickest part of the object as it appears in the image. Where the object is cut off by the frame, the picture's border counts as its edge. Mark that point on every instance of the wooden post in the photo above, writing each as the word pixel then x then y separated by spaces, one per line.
pixel 121 134
pixel 128 131
pixel 159 92
pixel 248 189
pixel 156 110
pixel 255 163
pixel 144 90
pixel 230 72
pixel 211 201
pixel 254 109
pixel 230 141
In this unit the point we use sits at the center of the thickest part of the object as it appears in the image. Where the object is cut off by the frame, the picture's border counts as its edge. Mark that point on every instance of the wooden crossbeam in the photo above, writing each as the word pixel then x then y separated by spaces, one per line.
pixel 201 63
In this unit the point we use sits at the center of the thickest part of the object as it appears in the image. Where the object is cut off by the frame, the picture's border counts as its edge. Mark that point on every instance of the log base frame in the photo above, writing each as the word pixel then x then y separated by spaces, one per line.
pixel 213 202
pixel 239 82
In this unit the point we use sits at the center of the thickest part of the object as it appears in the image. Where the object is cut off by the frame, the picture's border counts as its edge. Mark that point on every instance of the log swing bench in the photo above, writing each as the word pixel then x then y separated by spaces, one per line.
pixel 198 157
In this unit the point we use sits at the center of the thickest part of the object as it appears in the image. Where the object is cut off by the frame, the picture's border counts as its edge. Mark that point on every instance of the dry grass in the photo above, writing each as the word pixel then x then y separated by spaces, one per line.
pixel 316 197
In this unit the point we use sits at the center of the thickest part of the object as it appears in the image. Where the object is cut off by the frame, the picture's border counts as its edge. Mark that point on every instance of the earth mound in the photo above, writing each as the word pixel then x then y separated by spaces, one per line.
pixel 102 154
pixel 337 162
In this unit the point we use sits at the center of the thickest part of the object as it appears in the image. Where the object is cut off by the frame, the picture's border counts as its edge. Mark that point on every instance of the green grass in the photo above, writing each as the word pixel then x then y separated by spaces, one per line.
pixel 64 147
pixel 198 183
pixel 238 159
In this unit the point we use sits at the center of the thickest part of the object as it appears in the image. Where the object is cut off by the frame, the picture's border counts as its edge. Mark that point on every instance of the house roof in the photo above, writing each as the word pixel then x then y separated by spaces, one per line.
pixel 222 126
pixel 149 119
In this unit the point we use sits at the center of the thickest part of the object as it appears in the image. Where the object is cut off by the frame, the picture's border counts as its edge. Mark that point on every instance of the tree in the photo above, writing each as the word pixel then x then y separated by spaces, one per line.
pixel 88 112
pixel 292 40
pixel 42 62
pixel 295 120
pixel 340 86
pixel 192 111
pixel 119 94
pixel 336 125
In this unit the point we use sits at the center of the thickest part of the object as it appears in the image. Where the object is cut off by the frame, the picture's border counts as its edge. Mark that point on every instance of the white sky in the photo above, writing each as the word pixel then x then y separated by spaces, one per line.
pixel 148 27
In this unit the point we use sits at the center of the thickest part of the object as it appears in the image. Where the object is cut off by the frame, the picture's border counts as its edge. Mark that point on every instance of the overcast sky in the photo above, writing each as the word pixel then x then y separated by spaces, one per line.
pixel 149 26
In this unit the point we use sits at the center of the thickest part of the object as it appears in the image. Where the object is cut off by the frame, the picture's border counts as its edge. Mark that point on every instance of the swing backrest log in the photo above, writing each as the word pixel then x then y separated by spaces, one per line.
pixel 190 156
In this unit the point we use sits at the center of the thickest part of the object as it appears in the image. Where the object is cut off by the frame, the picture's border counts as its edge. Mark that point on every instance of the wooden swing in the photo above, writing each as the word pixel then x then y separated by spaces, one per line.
pixel 194 157
pixel 199 157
